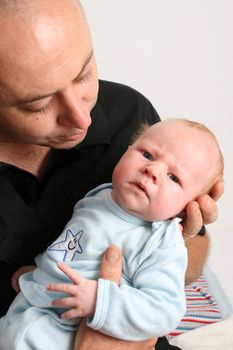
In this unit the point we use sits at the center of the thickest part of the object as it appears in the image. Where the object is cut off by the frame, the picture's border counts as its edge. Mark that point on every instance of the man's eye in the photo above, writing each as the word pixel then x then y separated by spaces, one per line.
pixel 173 177
pixel 41 110
pixel 84 78
pixel 147 155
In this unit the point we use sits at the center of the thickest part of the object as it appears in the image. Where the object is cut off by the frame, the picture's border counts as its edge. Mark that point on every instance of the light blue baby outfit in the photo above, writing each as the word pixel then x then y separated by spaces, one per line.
pixel 149 302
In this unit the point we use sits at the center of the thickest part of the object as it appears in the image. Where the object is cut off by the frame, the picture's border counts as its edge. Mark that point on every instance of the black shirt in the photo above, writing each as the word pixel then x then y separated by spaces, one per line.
pixel 33 212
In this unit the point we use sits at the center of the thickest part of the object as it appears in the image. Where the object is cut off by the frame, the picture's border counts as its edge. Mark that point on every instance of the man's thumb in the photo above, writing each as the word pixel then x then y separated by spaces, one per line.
pixel 111 266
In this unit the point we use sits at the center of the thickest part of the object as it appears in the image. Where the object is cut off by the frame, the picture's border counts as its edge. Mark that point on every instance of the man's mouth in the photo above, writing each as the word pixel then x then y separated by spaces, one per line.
pixel 73 137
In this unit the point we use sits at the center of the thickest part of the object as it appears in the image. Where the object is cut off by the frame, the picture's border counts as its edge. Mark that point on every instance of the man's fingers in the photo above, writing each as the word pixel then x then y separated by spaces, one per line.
pixel 193 221
pixel 111 266
pixel 217 190
pixel 181 228
pixel 208 209
pixel 203 211
pixel 17 274
pixel 15 282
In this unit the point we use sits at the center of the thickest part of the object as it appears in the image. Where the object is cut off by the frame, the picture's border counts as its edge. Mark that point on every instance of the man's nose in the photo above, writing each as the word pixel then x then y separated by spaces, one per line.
pixel 74 111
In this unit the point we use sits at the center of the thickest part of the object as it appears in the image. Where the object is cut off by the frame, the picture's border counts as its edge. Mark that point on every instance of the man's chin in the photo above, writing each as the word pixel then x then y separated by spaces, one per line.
pixel 66 143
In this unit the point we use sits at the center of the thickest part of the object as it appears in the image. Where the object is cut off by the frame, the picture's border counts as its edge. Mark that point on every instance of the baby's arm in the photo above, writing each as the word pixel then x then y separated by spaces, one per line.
pixel 82 294
pixel 154 302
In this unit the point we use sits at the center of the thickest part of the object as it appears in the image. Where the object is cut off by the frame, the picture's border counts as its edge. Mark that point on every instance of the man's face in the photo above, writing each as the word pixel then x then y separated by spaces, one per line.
pixel 165 169
pixel 48 78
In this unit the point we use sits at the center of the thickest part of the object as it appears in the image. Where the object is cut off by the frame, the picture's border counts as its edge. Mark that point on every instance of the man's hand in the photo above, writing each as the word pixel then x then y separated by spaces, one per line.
pixel 17 274
pixel 202 211
pixel 87 338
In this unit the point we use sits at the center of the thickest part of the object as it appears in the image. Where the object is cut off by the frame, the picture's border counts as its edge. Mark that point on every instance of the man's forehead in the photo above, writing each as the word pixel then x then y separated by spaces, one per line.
pixel 17 101
pixel 12 93
pixel 33 53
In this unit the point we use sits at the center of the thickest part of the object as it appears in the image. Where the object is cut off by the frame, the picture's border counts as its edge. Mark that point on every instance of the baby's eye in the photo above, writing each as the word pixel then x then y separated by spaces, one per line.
pixel 173 177
pixel 147 155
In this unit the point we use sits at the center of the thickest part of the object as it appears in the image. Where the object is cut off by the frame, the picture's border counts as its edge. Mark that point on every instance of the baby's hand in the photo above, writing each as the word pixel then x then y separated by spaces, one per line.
pixel 82 294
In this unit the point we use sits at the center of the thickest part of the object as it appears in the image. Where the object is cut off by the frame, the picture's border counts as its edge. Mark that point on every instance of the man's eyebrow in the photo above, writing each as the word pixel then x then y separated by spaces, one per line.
pixel 20 102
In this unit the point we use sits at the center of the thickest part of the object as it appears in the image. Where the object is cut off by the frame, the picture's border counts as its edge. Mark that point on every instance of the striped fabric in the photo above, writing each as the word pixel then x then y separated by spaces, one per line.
pixel 202 308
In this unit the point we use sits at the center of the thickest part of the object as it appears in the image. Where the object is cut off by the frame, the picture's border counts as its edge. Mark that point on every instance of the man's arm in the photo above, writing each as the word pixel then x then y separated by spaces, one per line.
pixel 88 339
pixel 198 248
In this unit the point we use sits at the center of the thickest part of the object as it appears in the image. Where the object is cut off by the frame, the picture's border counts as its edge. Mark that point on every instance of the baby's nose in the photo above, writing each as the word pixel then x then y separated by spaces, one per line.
pixel 152 174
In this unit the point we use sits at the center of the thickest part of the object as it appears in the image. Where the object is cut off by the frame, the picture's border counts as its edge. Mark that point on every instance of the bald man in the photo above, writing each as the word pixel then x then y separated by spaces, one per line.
pixel 61 133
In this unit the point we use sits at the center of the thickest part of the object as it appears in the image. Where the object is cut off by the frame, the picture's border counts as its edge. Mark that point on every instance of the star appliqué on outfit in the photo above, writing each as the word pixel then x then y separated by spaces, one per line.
pixel 70 245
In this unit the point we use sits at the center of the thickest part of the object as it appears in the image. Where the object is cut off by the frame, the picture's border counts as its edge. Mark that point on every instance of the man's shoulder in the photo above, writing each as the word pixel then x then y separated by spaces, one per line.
pixel 110 88
pixel 112 92
pixel 124 99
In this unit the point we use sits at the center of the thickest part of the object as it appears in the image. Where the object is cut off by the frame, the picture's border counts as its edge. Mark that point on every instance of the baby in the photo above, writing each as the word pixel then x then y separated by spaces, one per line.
pixel 168 165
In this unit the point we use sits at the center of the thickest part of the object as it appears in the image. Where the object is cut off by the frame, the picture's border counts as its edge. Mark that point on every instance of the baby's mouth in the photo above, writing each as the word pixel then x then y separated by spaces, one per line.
pixel 142 187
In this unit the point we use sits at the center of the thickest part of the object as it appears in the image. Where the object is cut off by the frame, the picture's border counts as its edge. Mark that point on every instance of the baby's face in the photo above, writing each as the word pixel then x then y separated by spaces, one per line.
pixel 165 169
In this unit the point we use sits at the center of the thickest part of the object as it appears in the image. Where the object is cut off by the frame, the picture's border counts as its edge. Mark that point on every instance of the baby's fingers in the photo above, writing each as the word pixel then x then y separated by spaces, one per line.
pixel 71 314
pixel 62 288
pixel 71 304
pixel 72 274
pixel 68 303
pixel 64 303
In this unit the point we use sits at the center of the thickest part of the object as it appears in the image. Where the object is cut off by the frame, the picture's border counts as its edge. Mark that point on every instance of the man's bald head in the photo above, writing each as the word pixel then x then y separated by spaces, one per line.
pixel 29 8
pixel 12 5
pixel 32 28
pixel 23 5
pixel 46 59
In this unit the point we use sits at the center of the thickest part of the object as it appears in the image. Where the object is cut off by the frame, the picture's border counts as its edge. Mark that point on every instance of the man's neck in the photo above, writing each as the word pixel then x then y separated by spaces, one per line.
pixel 31 158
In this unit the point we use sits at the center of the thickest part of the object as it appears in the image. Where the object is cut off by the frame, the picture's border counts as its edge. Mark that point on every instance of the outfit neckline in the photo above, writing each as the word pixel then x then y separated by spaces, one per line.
pixel 121 213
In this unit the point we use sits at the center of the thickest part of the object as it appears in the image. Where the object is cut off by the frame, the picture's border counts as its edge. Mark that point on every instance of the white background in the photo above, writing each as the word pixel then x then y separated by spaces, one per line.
pixel 179 54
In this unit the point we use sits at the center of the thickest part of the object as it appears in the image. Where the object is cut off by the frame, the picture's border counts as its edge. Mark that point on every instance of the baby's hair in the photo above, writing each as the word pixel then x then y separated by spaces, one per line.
pixel 140 131
pixel 192 124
